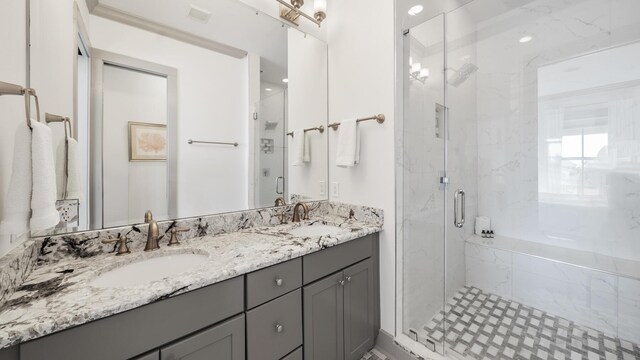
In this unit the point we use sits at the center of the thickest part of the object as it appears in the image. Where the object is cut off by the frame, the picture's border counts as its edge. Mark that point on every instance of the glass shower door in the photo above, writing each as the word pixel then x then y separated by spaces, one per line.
pixel 423 198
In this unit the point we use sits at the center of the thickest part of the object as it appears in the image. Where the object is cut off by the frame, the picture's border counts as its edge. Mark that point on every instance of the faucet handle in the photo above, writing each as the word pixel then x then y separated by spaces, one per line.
pixel 148 216
pixel 174 235
pixel 122 244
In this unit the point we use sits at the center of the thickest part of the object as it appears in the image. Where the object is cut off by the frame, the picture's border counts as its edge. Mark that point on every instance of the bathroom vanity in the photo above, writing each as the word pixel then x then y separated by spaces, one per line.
pixel 263 293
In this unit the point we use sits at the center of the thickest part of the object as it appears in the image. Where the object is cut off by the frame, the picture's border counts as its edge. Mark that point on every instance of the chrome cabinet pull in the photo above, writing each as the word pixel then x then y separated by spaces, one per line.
pixel 341 282
pixel 279 282
pixel 348 278
pixel 279 328
pixel 458 208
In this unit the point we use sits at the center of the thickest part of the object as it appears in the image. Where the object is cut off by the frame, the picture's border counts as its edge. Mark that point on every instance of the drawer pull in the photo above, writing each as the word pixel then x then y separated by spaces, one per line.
pixel 279 328
pixel 348 278
pixel 341 282
pixel 279 282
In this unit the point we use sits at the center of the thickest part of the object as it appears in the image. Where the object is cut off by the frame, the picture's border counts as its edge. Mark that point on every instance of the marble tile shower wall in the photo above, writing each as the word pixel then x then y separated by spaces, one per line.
pixel 603 301
pixel 511 140
pixel 19 263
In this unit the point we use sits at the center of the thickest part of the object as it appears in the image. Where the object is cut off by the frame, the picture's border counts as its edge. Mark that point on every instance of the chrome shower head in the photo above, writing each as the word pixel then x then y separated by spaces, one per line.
pixel 462 74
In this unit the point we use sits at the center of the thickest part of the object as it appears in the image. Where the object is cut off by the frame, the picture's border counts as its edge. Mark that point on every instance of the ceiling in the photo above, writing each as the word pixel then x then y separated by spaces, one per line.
pixel 232 23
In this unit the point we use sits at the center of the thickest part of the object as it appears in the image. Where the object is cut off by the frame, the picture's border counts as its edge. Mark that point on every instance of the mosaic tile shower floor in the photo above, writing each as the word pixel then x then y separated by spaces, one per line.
pixel 486 326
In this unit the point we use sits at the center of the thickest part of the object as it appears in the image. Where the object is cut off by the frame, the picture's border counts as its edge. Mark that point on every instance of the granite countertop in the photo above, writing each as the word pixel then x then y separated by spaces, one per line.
pixel 57 296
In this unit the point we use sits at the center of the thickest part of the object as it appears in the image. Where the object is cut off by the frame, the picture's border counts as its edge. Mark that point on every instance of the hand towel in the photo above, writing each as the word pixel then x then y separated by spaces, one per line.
pixel 348 151
pixel 307 149
pixel 17 208
pixel 297 148
pixel 68 154
pixel 43 197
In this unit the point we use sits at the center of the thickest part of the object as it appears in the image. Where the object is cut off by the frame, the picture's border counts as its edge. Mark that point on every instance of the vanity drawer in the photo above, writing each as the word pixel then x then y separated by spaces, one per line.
pixel 322 263
pixel 275 328
pixel 267 284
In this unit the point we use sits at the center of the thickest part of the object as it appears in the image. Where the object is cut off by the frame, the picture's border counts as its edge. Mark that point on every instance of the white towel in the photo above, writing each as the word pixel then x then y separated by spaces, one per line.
pixel 73 183
pixel 17 207
pixel 348 151
pixel 306 157
pixel 297 148
pixel 43 199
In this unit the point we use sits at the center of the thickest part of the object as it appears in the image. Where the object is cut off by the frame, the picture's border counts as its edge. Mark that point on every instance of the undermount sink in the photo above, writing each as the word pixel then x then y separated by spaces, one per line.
pixel 148 270
pixel 316 230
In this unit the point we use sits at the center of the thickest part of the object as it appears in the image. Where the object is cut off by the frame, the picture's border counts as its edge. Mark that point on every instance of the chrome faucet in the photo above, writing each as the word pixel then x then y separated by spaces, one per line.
pixel 153 233
pixel 296 212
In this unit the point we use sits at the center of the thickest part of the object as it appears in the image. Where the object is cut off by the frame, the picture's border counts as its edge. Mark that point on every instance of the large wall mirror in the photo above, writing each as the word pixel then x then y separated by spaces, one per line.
pixel 181 107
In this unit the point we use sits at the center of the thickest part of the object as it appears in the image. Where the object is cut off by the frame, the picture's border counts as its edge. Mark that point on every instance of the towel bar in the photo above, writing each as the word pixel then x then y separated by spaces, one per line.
pixel 379 118
pixel 319 128
pixel 13 89
pixel 212 142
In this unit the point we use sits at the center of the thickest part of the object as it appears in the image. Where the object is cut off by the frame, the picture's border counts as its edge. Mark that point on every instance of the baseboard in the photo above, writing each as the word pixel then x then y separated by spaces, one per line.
pixel 386 344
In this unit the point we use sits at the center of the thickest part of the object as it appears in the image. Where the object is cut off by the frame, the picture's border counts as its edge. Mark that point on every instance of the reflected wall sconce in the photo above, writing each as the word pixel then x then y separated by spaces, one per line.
pixel 418 73
pixel 291 12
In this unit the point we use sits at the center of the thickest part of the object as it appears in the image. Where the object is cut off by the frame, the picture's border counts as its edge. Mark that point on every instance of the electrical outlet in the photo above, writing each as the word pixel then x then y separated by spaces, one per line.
pixel 68 210
pixel 335 190
pixel 323 188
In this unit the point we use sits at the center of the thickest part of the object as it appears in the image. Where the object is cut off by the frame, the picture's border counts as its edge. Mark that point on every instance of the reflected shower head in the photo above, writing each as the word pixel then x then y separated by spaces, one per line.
pixel 462 74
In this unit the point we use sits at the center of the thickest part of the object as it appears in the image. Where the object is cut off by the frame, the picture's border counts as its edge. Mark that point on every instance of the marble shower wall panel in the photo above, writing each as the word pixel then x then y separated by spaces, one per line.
pixel 508 109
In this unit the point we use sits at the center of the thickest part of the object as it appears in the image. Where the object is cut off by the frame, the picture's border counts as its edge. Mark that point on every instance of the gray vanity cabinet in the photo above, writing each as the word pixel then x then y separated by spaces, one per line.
pixel 323 319
pixel 323 305
pixel 221 342
pixel 359 292
pixel 339 314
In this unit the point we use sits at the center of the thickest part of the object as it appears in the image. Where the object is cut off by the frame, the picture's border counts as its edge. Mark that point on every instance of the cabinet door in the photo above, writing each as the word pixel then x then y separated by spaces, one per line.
pixel 323 319
pixel 358 310
pixel 153 355
pixel 221 342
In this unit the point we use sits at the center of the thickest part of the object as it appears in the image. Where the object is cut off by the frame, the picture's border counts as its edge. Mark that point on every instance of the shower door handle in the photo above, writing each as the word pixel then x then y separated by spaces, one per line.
pixel 458 208
pixel 278 185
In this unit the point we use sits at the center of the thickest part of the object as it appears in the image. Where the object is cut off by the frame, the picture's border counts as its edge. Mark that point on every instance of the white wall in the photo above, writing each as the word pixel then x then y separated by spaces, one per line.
pixel 12 70
pixel 212 106
pixel 361 83
pixel 307 108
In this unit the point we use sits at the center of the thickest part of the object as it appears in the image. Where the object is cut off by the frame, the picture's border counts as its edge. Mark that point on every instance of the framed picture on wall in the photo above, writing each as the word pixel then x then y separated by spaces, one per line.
pixel 147 141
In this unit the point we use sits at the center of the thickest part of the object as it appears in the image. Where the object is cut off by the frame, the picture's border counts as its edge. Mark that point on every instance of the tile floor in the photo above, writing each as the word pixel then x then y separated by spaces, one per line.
pixel 374 355
pixel 486 326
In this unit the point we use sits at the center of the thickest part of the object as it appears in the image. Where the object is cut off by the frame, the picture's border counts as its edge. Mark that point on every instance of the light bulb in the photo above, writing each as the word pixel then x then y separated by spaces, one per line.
pixel 415 68
pixel 320 5
pixel 525 39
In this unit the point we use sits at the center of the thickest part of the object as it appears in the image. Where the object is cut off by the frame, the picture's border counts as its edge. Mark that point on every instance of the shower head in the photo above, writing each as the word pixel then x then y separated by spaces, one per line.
pixel 462 74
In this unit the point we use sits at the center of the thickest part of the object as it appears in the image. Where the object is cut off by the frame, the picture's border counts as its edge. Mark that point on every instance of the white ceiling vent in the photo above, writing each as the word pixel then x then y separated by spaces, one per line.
pixel 199 14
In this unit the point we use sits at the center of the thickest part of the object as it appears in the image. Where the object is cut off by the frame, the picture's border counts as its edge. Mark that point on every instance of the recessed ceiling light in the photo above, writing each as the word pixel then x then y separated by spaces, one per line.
pixel 268 89
pixel 525 39
pixel 285 80
pixel 415 10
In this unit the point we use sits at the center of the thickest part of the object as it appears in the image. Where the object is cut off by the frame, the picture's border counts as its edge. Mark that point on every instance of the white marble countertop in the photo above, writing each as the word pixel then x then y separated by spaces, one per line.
pixel 58 296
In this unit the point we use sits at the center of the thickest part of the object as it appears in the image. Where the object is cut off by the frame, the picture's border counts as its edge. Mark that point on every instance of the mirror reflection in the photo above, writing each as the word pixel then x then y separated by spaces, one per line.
pixel 166 106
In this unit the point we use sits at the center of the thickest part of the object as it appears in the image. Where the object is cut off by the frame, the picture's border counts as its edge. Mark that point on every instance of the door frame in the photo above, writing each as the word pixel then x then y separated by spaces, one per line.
pixel 99 59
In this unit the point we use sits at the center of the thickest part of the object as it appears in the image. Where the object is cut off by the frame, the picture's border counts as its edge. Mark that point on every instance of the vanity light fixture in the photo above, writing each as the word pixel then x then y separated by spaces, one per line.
pixel 526 39
pixel 415 10
pixel 291 12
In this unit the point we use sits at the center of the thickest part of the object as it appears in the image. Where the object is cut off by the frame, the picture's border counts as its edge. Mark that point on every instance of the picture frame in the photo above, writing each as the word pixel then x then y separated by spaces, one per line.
pixel 147 141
